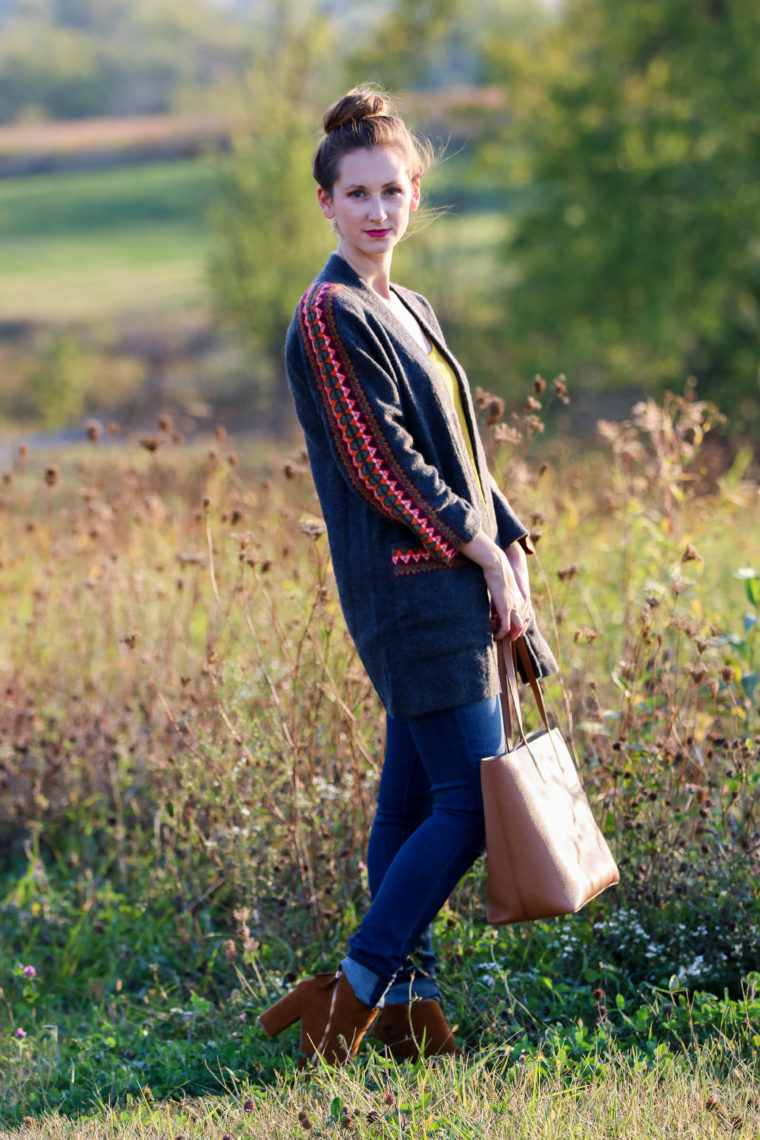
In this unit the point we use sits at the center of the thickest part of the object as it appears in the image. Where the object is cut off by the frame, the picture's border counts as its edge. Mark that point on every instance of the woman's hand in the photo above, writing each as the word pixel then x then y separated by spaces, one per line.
pixel 506 577
pixel 518 560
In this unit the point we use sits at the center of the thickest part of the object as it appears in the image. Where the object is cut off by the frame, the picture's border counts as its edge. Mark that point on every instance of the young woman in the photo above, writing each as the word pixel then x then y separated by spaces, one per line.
pixel 430 563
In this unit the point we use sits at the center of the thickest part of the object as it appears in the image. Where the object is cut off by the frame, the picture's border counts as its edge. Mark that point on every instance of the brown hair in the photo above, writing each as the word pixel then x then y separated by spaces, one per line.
pixel 363 118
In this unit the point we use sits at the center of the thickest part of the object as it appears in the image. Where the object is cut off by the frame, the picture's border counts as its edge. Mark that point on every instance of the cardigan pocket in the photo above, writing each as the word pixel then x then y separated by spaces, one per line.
pixel 417 560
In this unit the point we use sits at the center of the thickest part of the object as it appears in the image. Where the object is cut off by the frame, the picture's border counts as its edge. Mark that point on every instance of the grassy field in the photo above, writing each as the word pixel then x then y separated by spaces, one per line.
pixel 451 1100
pixel 81 246
pixel 189 751
pixel 87 245
pixel 104 294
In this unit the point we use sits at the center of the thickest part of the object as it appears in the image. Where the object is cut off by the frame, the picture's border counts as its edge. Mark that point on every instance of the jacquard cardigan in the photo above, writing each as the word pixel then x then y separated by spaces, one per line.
pixel 398 494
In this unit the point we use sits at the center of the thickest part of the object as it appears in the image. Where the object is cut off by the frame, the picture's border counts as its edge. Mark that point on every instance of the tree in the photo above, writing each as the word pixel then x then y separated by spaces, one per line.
pixel 635 152
pixel 413 45
pixel 64 59
pixel 271 237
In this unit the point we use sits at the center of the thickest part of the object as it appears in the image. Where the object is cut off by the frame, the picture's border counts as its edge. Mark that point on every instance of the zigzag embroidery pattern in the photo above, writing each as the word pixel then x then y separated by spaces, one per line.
pixel 413 556
pixel 378 477
pixel 417 561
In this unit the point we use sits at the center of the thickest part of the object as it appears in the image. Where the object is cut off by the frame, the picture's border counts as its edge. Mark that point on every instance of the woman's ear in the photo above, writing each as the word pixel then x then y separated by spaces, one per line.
pixel 416 191
pixel 325 203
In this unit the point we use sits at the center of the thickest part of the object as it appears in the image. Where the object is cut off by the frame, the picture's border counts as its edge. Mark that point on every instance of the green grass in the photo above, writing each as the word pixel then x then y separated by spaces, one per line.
pixel 89 244
pixel 134 1003
pixel 188 756
pixel 538 1099
pixel 78 246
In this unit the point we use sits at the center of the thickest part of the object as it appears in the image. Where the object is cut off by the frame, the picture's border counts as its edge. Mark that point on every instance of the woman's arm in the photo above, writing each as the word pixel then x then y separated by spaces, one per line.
pixel 509 526
pixel 506 575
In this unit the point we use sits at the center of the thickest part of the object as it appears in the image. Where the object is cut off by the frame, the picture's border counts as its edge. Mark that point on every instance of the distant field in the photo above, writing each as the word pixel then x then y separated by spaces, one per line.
pixel 83 245
pixel 90 244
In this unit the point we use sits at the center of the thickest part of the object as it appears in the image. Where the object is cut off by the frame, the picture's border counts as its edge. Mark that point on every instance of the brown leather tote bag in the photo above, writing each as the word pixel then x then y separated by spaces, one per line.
pixel 546 854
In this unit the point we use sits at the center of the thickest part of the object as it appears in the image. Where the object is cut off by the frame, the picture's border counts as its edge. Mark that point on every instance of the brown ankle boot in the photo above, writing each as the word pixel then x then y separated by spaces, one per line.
pixel 413 1030
pixel 333 1020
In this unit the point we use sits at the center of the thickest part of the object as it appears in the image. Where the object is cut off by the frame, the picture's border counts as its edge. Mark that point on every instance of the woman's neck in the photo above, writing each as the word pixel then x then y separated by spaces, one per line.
pixel 376 273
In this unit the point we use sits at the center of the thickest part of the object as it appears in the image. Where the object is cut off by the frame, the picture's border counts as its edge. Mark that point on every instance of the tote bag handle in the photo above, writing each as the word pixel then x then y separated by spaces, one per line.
pixel 507 652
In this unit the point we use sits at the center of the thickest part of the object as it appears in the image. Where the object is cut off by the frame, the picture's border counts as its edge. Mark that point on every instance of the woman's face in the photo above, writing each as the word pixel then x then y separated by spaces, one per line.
pixel 370 204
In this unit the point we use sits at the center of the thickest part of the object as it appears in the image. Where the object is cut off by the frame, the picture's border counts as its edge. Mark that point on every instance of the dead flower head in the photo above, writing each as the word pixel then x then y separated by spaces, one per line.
pixel 504 433
pixel 494 410
pixel 587 635
pixel 568 573
pixel 311 526
pixel 560 388
pixel 533 426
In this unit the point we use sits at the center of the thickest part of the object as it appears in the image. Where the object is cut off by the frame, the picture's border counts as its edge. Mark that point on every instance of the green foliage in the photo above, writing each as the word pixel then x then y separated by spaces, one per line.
pixel 631 162
pixel 58 383
pixel 271 237
pixel 613 183
pixel 412 45
pixel 745 643
pixel 143 1002
pixel 425 46
pixel 60 59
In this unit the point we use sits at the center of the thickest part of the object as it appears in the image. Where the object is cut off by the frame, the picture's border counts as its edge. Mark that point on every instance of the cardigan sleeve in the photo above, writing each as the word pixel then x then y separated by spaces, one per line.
pixel 509 526
pixel 358 401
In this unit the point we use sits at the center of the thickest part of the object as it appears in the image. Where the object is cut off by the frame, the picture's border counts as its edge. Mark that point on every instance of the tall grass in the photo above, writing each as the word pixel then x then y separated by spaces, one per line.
pixel 452 1100
pixel 190 747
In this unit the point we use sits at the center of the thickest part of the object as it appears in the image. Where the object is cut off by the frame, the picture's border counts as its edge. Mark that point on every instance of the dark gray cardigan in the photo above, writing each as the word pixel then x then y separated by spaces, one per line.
pixel 398 494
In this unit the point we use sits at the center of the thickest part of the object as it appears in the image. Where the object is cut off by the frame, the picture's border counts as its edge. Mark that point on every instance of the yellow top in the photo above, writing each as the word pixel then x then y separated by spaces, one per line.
pixel 448 374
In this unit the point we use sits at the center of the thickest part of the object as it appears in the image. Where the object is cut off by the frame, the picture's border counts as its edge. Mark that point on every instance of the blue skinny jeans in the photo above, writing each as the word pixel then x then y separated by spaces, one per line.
pixel 427 832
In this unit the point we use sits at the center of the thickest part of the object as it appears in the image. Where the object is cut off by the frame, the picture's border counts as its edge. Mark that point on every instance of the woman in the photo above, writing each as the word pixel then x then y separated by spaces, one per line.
pixel 430 563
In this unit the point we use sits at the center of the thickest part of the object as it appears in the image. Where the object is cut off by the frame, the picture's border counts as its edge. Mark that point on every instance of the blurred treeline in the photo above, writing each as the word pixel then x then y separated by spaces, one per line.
pixel 598 193
pixel 68 59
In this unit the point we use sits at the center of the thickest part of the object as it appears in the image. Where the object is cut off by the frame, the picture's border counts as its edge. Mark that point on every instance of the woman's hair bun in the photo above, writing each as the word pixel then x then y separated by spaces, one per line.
pixel 363 118
pixel 357 105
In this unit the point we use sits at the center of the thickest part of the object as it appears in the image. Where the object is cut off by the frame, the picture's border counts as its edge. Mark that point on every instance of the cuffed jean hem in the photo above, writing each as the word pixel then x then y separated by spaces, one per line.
pixel 367 986
pixel 374 991
pixel 418 988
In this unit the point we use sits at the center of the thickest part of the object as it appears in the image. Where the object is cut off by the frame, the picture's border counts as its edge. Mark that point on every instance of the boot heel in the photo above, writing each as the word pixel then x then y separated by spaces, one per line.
pixel 282 1014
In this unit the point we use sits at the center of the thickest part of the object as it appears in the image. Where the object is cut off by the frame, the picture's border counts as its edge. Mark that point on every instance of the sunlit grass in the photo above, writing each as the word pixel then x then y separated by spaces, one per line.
pixel 84 245
pixel 188 755
pixel 456 1100
pixel 88 244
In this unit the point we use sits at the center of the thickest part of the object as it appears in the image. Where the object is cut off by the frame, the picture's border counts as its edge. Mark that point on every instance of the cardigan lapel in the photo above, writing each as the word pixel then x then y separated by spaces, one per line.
pixel 464 387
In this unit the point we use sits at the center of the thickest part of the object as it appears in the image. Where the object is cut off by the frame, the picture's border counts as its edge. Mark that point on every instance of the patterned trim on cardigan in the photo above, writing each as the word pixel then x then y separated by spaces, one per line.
pixel 418 561
pixel 364 450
